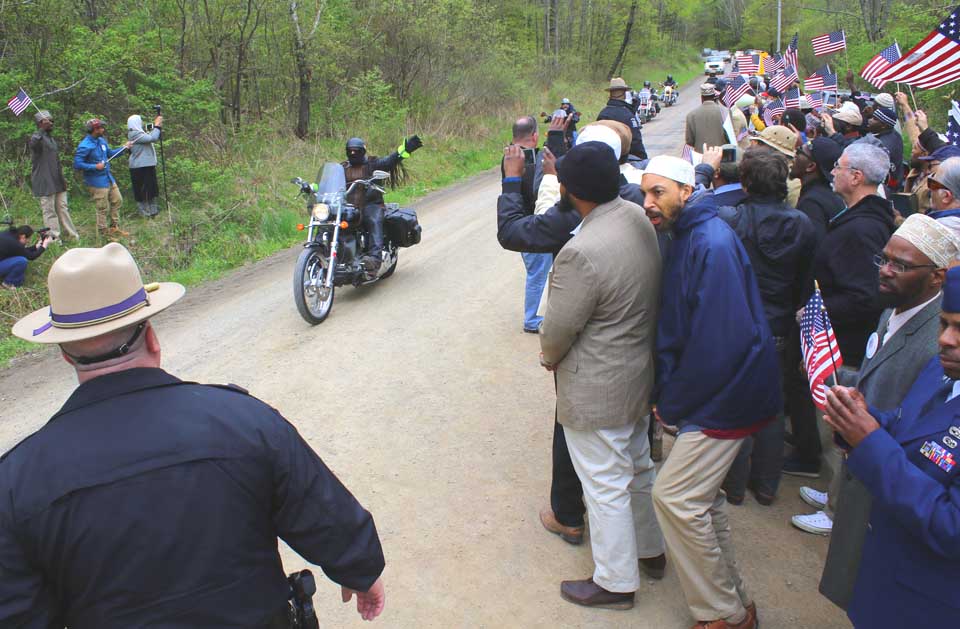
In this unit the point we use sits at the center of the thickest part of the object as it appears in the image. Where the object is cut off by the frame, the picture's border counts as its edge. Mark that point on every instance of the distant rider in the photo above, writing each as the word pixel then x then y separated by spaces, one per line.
pixel 570 134
pixel 361 166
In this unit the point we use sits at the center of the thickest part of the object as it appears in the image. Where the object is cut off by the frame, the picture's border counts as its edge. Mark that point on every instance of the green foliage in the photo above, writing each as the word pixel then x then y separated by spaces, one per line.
pixel 457 72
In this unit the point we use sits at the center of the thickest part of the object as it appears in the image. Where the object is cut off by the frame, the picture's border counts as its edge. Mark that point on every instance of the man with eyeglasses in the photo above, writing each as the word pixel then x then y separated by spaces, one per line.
pixel 944 186
pixel 844 268
pixel 911 272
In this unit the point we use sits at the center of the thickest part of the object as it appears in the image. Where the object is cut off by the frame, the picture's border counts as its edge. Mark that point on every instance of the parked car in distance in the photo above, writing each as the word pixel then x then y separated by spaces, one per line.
pixel 723 53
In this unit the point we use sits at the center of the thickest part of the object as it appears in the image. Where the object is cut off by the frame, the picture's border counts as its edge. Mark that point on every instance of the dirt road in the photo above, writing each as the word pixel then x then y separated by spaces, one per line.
pixel 426 398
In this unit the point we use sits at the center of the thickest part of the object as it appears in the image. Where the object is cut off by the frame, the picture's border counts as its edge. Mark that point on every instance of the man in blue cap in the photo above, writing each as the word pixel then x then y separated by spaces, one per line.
pixel 907 459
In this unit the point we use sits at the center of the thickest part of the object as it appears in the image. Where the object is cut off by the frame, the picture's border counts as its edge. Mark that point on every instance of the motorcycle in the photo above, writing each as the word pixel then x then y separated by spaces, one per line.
pixel 669 95
pixel 336 240
pixel 645 107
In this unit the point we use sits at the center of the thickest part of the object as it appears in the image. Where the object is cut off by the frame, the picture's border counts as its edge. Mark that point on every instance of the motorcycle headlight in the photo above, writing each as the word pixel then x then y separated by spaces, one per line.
pixel 321 211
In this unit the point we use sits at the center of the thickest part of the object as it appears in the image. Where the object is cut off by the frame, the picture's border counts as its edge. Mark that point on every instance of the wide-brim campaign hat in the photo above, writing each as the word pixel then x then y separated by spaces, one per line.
pixel 617 83
pixel 94 292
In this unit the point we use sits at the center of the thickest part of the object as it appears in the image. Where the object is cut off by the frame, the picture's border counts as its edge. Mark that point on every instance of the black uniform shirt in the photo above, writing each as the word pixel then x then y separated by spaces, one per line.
pixel 148 501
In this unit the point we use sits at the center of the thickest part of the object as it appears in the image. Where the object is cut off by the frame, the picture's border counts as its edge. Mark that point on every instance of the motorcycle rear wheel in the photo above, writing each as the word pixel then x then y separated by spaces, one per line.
pixel 308 278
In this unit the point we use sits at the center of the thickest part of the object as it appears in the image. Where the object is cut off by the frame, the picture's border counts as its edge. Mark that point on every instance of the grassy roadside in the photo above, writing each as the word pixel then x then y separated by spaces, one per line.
pixel 234 205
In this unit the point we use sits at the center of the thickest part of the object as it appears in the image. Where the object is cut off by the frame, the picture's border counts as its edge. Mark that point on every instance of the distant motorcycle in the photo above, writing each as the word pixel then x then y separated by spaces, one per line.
pixel 669 95
pixel 336 239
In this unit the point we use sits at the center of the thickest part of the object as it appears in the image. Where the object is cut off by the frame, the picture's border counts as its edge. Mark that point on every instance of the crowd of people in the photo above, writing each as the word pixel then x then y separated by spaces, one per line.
pixel 675 296
pixel 92 159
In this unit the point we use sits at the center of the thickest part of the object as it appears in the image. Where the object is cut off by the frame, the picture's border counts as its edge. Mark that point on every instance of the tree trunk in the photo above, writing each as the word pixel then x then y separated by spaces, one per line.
pixel 618 62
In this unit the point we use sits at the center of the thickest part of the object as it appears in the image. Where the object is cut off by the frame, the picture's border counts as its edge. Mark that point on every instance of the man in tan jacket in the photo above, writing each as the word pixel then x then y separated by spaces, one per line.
pixel 598 334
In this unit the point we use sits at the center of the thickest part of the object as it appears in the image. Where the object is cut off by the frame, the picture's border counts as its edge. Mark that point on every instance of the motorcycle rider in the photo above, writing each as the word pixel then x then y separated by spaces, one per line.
pixel 672 84
pixel 359 165
pixel 654 99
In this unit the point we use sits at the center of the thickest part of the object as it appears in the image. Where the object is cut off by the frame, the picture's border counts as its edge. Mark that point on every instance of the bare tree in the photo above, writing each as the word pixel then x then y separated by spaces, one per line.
pixel 618 62
pixel 301 45
pixel 875 15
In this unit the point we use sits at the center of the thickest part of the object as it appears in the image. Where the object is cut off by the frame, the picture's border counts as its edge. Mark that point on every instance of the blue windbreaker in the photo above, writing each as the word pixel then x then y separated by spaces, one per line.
pixel 90 152
pixel 717 366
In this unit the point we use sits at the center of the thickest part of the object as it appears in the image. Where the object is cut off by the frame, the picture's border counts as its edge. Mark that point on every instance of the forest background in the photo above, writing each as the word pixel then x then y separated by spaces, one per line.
pixel 255 92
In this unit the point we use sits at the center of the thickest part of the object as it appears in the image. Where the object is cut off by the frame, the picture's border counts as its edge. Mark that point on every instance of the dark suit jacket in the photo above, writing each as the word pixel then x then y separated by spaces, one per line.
pixel 884 380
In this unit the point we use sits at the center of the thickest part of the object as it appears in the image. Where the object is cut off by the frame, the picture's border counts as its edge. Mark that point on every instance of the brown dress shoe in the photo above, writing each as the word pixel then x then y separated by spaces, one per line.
pixel 589 594
pixel 570 534
pixel 654 567
pixel 749 622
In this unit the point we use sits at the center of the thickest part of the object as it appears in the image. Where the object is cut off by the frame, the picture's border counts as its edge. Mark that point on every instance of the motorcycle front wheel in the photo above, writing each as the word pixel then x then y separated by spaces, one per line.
pixel 313 299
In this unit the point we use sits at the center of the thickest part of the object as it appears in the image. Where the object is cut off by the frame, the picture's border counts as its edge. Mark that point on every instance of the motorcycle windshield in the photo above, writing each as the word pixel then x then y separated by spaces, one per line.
pixel 333 180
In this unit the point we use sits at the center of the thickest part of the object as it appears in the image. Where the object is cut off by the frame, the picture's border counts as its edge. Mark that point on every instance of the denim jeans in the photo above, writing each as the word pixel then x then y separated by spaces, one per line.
pixel 538 267
pixel 12 270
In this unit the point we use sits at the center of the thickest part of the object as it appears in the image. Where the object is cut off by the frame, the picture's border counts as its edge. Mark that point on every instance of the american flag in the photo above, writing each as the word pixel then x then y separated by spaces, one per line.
pixel 771 109
pixel 19 103
pixel 880 64
pixel 953 123
pixel 821 354
pixel 790 56
pixel 815 99
pixel 933 62
pixel 784 79
pixel 829 43
pixel 737 88
pixel 792 98
pixel 774 63
pixel 820 80
pixel 687 153
pixel 748 64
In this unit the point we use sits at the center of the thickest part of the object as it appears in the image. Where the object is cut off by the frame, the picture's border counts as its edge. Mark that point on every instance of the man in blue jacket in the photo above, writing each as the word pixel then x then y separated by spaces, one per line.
pixel 93 157
pixel 718 381
pixel 907 459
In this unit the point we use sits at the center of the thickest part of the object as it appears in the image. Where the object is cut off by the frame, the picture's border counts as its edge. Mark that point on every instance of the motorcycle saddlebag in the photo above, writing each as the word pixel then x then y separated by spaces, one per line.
pixel 402 226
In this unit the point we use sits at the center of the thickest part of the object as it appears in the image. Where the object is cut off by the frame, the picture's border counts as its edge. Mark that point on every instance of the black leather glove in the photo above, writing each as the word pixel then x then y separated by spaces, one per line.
pixel 412 143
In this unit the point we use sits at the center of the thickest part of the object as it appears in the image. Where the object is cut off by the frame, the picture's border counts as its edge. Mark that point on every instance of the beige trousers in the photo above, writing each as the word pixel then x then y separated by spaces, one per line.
pixel 107 199
pixel 690 507
pixel 617 475
pixel 56 214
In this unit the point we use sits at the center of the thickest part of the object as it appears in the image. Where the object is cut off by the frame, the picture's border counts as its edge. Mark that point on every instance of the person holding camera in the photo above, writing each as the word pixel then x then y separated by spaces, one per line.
pixel 143 163
pixel 14 253
pixel 47 180
pixel 93 157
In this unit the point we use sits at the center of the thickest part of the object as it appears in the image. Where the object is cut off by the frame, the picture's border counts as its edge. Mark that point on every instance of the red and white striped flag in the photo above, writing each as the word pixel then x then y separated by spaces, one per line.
pixel 748 64
pixel 880 64
pixel 821 354
pixel 737 88
pixel 791 55
pixel 19 103
pixel 782 80
pixel 829 43
pixel 933 62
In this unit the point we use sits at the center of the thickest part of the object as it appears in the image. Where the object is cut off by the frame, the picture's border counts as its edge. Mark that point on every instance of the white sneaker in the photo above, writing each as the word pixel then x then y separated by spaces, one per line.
pixel 818 523
pixel 814 498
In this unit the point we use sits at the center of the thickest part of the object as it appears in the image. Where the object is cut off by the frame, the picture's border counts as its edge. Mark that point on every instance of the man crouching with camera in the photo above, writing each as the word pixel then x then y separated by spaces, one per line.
pixel 14 253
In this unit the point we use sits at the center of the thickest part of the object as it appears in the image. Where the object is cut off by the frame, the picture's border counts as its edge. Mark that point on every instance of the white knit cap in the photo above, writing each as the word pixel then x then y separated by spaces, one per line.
pixel 679 170
pixel 934 239
pixel 884 100
pixel 599 133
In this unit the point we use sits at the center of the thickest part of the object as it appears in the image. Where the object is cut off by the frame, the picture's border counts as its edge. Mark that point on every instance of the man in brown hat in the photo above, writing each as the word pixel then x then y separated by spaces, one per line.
pixel 705 123
pixel 151 501
pixel 619 108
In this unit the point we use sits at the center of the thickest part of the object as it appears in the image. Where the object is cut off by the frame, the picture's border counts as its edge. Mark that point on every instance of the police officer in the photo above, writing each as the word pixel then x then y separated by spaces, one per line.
pixel 907 459
pixel 361 166
pixel 151 501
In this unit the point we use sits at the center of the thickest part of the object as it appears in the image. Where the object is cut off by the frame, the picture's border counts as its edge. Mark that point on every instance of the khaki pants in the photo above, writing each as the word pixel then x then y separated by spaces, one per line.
pixel 617 475
pixel 694 522
pixel 56 214
pixel 104 199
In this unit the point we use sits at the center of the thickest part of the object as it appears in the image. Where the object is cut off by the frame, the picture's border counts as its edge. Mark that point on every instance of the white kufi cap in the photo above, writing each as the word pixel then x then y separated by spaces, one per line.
pixel 599 133
pixel 933 238
pixel 679 170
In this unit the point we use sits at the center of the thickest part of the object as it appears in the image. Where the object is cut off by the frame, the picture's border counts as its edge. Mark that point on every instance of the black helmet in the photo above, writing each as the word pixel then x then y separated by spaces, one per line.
pixel 646 83
pixel 356 151
pixel 669 77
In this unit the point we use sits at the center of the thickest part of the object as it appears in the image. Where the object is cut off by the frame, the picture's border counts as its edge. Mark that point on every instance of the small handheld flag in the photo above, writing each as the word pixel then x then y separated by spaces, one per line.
pixel 19 103
pixel 821 354
pixel 829 43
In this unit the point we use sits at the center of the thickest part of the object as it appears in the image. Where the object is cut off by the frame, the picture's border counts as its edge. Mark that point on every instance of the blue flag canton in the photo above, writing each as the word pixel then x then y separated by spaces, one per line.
pixel 948 28
pixel 891 54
